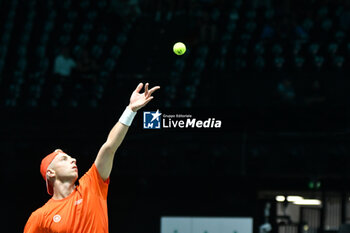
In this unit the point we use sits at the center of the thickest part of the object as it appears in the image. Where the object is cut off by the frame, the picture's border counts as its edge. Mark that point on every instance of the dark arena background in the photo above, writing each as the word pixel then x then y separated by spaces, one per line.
pixel 274 72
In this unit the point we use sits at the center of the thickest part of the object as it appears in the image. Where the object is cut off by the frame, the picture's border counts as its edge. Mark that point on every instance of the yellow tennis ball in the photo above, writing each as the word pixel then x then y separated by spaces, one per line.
pixel 179 48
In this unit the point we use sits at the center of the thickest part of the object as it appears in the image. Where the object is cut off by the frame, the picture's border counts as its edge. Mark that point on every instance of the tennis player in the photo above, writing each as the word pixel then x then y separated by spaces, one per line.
pixel 83 208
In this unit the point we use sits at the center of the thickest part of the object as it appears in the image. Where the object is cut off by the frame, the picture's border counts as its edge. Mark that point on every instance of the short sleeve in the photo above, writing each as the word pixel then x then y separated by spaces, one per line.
pixel 33 224
pixel 93 182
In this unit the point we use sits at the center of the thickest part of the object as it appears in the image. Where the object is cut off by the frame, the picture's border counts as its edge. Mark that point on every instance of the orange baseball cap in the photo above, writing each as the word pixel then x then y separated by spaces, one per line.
pixel 45 162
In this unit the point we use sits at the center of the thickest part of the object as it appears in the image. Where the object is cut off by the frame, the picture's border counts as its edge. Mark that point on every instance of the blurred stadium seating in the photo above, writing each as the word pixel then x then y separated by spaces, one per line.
pixel 235 50
pixel 238 55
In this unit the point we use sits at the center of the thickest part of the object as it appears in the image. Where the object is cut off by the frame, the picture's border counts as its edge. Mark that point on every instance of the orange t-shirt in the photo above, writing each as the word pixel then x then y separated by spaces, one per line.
pixel 84 210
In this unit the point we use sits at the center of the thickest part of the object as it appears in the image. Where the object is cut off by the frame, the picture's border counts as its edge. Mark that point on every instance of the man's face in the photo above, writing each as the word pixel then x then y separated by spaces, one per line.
pixel 64 167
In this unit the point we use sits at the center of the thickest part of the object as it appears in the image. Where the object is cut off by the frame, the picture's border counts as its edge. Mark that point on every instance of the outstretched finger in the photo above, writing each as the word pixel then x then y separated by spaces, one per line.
pixel 146 89
pixel 139 88
pixel 153 90
pixel 148 100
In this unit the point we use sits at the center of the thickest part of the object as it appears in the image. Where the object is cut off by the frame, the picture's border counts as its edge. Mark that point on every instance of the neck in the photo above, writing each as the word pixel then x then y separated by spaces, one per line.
pixel 62 189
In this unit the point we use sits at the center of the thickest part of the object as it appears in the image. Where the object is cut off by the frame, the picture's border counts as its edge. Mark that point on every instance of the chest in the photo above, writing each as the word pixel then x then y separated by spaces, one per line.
pixel 66 216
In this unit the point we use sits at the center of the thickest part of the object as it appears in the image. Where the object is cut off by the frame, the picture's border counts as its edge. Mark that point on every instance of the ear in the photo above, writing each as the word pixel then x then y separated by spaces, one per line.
pixel 50 173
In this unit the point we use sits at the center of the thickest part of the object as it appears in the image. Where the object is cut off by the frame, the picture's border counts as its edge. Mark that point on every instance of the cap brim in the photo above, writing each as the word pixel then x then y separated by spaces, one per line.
pixel 49 188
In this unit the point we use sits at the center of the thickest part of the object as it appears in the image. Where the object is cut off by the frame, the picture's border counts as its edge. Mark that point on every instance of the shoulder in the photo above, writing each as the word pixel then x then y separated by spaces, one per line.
pixel 91 172
pixel 34 220
pixel 38 213
pixel 92 181
pixel 42 211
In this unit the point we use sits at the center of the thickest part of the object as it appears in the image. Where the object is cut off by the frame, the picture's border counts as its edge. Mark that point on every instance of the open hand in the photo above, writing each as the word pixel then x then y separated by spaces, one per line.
pixel 138 100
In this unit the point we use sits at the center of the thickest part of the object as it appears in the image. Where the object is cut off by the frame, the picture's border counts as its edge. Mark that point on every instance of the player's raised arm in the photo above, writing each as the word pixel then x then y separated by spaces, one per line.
pixel 104 159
